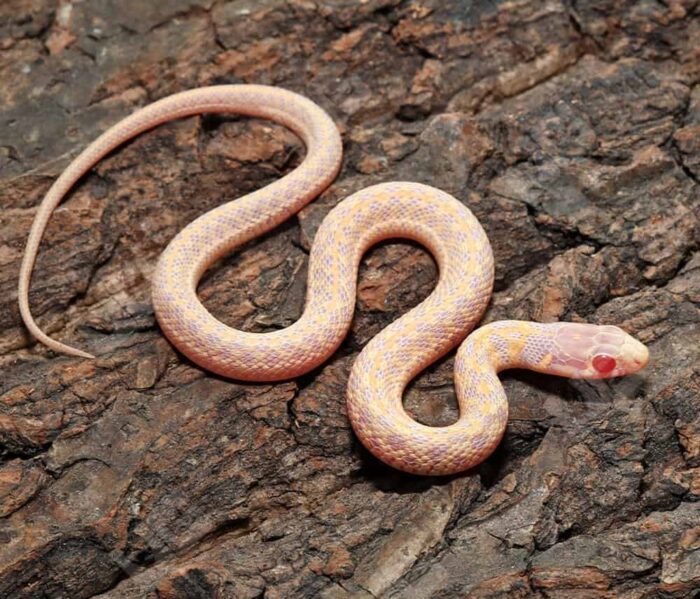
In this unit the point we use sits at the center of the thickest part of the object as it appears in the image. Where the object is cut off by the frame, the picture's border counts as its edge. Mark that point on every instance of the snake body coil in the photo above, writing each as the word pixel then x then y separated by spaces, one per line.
pixel 397 354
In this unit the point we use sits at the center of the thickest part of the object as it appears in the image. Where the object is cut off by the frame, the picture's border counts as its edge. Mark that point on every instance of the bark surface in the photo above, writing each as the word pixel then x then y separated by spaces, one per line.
pixel 570 128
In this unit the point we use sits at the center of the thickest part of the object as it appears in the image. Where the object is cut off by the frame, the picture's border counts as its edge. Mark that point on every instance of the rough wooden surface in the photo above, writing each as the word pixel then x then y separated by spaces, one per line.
pixel 570 127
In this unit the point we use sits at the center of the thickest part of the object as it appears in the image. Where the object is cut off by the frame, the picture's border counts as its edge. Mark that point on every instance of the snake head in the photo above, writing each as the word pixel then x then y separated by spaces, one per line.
pixel 588 351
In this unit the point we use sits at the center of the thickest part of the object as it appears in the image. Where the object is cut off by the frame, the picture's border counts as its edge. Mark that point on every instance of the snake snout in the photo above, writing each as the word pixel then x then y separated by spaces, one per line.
pixel 636 355
pixel 640 354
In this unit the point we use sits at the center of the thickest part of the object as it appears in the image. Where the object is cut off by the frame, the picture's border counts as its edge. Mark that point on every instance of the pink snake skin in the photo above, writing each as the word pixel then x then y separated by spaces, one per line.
pixel 403 349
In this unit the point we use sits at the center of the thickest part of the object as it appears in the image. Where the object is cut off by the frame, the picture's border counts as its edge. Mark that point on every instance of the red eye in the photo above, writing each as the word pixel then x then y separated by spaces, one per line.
pixel 604 364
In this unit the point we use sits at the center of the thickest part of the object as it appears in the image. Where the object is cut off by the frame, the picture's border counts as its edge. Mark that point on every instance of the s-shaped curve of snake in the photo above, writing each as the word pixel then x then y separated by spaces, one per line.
pixel 398 353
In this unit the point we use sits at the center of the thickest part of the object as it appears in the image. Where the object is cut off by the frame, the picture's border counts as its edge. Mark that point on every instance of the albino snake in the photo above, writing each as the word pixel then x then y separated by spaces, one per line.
pixel 403 349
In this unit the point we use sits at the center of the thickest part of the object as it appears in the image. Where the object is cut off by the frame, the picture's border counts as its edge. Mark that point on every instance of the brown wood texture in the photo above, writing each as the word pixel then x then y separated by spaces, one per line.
pixel 571 128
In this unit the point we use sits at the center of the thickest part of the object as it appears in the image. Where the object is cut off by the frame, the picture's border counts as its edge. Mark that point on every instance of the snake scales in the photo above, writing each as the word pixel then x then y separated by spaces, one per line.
pixel 396 355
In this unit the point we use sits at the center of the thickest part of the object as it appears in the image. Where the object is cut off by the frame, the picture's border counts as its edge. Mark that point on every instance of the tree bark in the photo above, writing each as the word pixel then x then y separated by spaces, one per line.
pixel 570 128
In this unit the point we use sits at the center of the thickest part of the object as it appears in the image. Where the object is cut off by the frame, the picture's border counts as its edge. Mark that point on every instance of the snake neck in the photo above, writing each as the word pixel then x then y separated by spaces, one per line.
pixel 511 344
